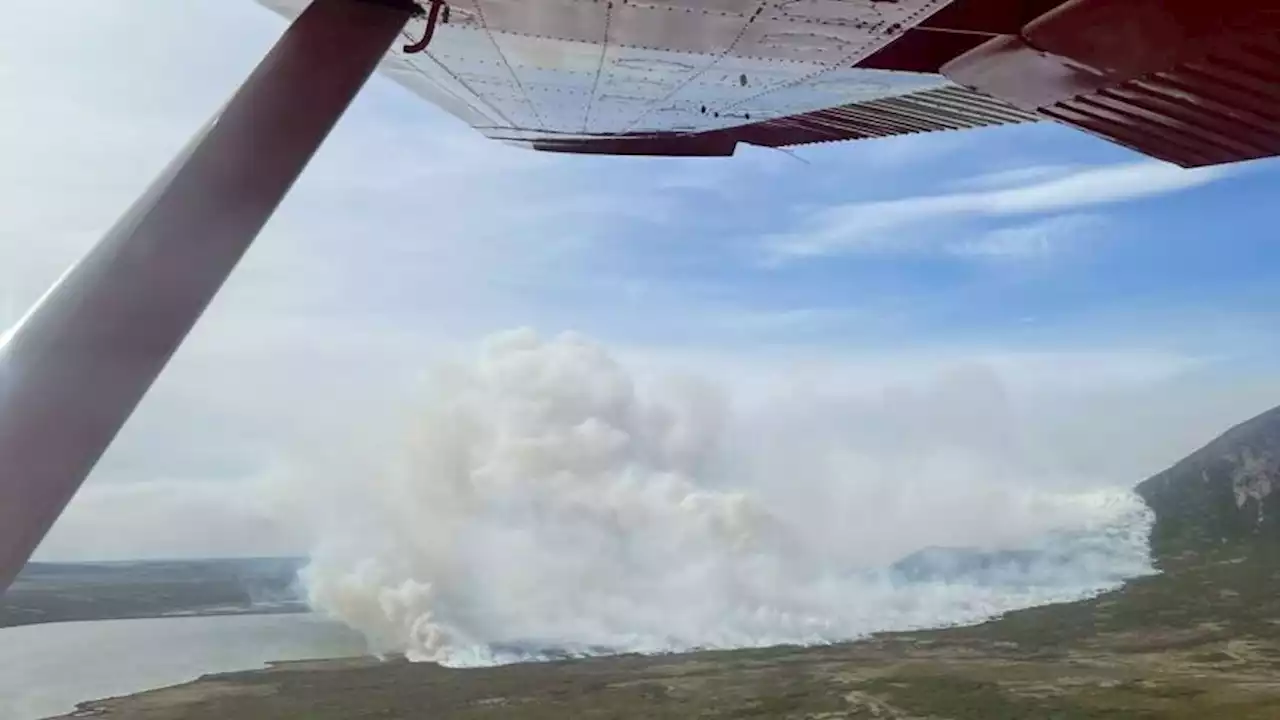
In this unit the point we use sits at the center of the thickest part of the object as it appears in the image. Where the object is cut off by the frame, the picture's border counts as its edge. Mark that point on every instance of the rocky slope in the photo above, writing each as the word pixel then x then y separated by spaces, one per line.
pixel 1224 494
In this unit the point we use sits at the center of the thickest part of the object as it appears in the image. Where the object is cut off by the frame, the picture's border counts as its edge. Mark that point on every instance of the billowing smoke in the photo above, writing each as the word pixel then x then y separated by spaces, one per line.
pixel 550 502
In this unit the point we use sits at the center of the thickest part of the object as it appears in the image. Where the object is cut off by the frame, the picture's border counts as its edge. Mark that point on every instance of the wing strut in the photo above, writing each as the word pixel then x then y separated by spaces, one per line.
pixel 75 367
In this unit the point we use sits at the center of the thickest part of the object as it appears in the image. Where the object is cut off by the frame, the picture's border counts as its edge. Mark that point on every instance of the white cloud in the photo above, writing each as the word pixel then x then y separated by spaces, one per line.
pixel 1015 177
pixel 1038 239
pixel 1096 186
pixel 884 225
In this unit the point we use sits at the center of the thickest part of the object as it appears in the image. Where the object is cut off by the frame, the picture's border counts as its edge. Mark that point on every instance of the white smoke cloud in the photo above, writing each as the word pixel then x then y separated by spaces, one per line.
pixel 549 500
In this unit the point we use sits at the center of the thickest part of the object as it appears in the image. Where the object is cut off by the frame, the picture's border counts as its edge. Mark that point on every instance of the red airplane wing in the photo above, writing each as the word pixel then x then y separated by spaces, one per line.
pixel 688 77
pixel 1188 81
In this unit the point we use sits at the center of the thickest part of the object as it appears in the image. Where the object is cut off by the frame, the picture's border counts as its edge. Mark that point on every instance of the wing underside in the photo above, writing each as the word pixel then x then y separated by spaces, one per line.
pixel 1188 81
pixel 681 77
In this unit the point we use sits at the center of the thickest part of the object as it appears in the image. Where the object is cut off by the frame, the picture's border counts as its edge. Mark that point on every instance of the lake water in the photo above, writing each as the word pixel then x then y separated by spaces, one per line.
pixel 46 669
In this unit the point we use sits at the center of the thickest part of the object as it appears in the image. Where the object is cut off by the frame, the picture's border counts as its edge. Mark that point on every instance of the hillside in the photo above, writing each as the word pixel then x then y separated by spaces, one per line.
pixel 1220 495
pixel 1200 640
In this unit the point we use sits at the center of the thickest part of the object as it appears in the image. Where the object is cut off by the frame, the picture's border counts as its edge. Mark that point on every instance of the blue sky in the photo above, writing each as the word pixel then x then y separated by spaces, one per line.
pixel 1064 265
pixel 852 248
pixel 887 243
pixel 840 247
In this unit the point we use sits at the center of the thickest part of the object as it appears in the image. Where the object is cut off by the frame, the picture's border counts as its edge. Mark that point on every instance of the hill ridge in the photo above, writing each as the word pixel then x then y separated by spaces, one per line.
pixel 1222 494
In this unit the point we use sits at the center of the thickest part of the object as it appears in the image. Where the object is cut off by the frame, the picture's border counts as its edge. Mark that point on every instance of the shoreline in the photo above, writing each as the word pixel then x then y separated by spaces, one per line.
pixel 300 609
pixel 1200 640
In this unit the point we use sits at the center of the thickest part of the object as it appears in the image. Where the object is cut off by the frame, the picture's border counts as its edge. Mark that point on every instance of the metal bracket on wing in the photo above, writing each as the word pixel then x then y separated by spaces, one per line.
pixel 433 16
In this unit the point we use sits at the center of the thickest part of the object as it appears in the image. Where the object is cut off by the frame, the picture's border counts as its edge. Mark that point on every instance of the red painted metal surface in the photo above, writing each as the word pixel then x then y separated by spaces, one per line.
pixel 948 108
pixel 954 30
pixel 1188 81
pixel 74 369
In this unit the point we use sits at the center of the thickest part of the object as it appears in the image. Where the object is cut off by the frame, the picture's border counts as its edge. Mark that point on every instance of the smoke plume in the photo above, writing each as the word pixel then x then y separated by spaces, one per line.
pixel 549 502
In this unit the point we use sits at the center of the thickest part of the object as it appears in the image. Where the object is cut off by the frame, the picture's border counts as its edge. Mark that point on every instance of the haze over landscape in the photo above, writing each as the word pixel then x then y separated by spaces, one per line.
pixel 898 384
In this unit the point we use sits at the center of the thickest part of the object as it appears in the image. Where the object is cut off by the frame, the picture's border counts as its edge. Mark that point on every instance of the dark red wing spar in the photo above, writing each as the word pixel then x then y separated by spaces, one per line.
pixel 1193 82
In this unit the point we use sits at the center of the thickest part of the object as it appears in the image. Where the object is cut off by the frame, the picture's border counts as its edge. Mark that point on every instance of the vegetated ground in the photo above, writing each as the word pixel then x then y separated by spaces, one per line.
pixel 1200 641
pixel 56 592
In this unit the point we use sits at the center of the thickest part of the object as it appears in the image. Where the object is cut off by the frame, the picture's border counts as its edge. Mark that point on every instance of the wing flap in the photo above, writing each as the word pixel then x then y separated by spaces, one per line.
pixel 945 108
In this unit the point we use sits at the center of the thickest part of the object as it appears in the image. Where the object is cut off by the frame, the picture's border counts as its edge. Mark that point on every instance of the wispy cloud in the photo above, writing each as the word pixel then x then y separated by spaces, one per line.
pixel 1037 239
pixel 1015 177
pixel 1095 186
pixel 879 226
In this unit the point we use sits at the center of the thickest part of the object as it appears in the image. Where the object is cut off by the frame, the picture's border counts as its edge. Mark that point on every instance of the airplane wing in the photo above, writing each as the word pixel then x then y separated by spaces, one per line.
pixel 1187 81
